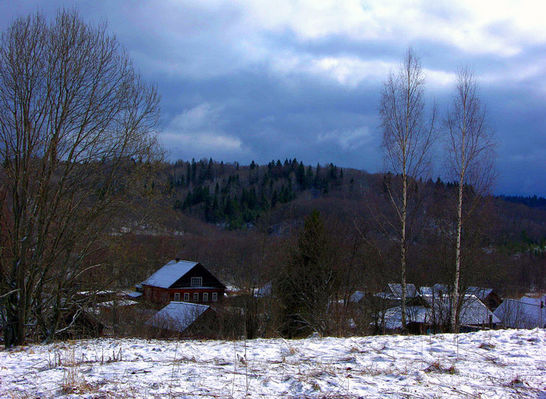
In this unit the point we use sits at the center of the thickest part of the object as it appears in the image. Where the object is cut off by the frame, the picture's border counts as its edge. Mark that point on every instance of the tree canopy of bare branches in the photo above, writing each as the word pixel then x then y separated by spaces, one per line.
pixel 407 139
pixel 470 157
pixel 76 126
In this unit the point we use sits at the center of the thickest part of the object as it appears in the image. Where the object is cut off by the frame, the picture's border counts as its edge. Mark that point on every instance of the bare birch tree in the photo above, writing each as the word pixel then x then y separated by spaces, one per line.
pixel 76 126
pixel 407 139
pixel 470 157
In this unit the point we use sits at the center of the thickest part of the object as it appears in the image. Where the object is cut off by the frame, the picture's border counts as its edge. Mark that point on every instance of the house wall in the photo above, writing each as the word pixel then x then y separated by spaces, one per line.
pixel 165 295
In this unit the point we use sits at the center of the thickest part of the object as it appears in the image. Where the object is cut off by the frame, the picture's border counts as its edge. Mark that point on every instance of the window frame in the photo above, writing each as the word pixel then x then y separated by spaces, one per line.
pixel 214 297
pixel 205 296
pixel 186 296
pixel 177 297
pixel 196 297
pixel 198 281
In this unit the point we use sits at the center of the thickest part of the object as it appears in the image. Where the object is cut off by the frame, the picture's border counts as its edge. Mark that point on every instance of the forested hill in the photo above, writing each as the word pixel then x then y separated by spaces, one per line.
pixel 236 196
pixel 530 201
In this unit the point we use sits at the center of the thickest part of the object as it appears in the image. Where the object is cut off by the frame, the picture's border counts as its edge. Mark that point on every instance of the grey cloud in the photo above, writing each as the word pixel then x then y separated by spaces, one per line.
pixel 206 56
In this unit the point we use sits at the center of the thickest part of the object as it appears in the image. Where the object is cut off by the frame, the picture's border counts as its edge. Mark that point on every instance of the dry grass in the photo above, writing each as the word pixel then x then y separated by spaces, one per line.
pixel 437 367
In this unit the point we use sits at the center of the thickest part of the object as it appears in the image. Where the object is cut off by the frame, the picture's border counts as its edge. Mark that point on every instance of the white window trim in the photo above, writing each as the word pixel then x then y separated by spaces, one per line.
pixel 177 296
pixel 214 297
pixel 196 296
pixel 205 296
pixel 186 296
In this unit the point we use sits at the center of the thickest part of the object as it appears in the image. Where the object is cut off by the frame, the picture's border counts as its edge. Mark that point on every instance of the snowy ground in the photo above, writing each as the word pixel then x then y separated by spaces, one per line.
pixel 487 364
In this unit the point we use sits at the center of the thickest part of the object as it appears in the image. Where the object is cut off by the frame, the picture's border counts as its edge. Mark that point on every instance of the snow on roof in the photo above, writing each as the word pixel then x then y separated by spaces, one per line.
pixel 133 294
pixel 414 314
pixel 396 289
pixel 357 296
pixel 436 290
pixel 177 316
pixel 473 312
pixel 170 273
pixel 97 292
pixel 533 300
pixel 480 292
pixel 232 288
pixel 523 313
pixel 111 304
pixel 264 290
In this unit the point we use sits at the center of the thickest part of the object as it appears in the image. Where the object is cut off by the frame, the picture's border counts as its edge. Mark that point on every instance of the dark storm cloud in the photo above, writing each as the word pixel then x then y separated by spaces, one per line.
pixel 250 81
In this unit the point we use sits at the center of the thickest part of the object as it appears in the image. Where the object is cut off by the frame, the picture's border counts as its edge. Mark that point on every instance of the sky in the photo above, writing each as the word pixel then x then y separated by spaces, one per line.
pixel 262 80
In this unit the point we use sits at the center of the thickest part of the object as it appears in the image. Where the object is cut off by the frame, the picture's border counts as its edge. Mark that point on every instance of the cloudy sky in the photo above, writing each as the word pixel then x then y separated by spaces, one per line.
pixel 262 80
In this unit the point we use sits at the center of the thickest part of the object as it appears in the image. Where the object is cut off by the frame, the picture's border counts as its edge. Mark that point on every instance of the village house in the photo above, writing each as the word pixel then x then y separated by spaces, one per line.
pixel 526 312
pixel 487 295
pixel 434 314
pixel 428 308
pixel 182 280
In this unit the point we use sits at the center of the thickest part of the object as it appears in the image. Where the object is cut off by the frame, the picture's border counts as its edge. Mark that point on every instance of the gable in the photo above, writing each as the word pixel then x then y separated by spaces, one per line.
pixel 208 279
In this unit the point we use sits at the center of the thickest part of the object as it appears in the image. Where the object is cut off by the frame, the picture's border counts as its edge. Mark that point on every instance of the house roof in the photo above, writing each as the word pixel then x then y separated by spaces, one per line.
pixel 522 313
pixel 436 290
pixel 357 296
pixel 396 290
pixel 473 312
pixel 177 316
pixel 121 303
pixel 170 273
pixel 480 292
pixel 264 290
pixel 414 314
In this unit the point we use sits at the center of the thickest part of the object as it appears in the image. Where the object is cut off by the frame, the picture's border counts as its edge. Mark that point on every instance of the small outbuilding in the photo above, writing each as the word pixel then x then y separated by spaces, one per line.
pixel 181 318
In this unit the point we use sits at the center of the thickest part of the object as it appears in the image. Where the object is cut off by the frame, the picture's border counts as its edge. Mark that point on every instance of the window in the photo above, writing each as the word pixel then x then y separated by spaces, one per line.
pixel 177 296
pixel 197 281
pixel 214 297
pixel 196 296
pixel 205 296
pixel 186 296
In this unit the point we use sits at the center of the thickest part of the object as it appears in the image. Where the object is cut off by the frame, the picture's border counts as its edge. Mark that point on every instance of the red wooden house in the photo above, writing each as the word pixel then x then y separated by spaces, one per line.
pixel 181 280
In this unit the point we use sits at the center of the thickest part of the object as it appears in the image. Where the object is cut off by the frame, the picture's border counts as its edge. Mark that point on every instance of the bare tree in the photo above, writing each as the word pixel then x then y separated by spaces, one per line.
pixel 470 156
pixel 76 128
pixel 407 140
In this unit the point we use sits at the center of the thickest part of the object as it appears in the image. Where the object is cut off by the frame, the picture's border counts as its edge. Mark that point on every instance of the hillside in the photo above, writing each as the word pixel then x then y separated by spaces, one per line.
pixel 492 364
pixel 234 196
pixel 240 221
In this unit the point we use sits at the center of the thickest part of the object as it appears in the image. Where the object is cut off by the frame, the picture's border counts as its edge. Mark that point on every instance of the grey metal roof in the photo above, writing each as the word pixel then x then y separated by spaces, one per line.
pixel 396 290
pixel 357 296
pixel 170 273
pixel 480 292
pixel 523 313
pixel 177 316
pixel 473 312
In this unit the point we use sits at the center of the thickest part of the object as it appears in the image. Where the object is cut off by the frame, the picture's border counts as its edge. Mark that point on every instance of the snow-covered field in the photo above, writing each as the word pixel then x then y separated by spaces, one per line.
pixel 487 364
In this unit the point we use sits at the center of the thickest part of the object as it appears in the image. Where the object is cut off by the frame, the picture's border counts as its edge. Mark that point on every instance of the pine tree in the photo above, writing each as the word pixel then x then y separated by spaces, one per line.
pixel 308 280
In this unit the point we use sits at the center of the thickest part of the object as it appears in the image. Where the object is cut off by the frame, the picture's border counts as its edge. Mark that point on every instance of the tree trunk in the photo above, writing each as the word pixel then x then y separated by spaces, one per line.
pixel 455 293
pixel 403 252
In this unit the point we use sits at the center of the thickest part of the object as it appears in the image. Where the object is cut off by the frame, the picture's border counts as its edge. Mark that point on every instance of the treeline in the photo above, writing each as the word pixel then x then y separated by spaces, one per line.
pixel 532 202
pixel 237 196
